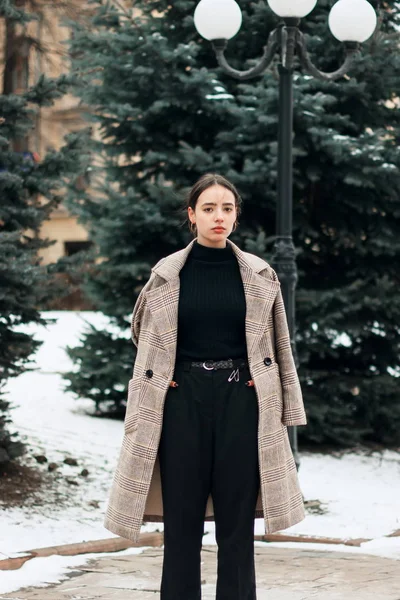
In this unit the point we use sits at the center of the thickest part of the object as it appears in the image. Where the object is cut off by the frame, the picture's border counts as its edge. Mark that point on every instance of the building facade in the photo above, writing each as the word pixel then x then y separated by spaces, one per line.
pixel 29 51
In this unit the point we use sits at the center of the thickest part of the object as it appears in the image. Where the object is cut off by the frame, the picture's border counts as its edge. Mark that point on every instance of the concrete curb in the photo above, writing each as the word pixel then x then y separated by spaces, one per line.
pixel 283 537
pixel 156 539
pixel 105 545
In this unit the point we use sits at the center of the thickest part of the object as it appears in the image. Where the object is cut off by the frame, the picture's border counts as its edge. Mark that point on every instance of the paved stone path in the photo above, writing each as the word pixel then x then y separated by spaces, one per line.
pixel 282 574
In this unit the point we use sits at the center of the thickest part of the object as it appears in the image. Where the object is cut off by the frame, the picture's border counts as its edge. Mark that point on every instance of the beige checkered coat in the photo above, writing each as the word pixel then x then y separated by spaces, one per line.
pixel 136 490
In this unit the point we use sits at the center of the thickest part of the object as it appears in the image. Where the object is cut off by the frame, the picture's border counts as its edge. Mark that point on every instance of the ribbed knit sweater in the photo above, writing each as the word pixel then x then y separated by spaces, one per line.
pixel 212 306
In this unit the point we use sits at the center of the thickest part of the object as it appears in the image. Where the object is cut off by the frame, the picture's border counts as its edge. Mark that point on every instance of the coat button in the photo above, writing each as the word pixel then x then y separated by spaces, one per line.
pixel 267 361
pixel 149 373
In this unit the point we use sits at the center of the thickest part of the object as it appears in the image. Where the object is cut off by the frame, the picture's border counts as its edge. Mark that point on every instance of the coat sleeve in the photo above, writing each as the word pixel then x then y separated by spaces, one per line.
pixel 293 407
pixel 138 310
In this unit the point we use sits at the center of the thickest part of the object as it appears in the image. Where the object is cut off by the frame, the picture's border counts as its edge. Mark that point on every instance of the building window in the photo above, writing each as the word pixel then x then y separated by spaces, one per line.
pixel 71 248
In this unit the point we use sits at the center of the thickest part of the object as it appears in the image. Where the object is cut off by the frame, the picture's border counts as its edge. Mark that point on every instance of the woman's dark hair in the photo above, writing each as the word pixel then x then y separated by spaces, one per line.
pixel 207 180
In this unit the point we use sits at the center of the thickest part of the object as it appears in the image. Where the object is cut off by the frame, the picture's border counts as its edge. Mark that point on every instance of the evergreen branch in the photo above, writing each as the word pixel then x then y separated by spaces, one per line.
pixel 123 10
pixel 130 18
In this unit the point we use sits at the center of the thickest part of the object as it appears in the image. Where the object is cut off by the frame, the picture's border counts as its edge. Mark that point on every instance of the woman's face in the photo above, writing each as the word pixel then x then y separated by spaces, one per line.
pixel 215 207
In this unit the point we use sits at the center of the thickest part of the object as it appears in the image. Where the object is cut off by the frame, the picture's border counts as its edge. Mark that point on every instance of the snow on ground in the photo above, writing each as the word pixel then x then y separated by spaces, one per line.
pixel 359 493
pixel 43 571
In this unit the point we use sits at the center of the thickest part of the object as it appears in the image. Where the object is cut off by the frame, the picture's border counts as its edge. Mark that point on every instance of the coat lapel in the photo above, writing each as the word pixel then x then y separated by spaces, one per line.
pixel 163 301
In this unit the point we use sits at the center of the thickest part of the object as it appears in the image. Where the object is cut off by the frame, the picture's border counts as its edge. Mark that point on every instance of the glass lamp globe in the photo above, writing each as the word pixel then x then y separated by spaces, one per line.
pixel 217 19
pixel 352 20
pixel 292 8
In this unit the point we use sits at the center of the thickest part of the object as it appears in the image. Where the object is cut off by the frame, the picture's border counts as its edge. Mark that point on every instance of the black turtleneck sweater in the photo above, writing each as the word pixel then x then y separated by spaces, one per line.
pixel 212 306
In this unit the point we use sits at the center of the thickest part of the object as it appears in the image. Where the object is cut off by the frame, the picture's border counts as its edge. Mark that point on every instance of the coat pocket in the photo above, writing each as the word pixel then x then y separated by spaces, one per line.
pixel 132 404
pixel 279 400
pixel 278 388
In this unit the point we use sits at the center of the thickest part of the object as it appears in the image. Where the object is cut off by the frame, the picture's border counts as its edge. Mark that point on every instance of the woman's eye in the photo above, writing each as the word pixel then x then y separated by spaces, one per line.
pixel 226 208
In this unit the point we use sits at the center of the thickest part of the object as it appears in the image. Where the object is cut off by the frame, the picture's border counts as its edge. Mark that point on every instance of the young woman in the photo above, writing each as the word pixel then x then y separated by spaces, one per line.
pixel 213 390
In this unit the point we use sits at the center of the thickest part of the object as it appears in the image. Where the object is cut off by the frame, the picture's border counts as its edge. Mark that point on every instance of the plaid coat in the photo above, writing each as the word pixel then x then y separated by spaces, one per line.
pixel 136 488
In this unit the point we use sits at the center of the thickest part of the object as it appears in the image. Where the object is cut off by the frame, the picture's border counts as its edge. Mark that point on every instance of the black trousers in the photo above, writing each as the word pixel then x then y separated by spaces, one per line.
pixel 209 445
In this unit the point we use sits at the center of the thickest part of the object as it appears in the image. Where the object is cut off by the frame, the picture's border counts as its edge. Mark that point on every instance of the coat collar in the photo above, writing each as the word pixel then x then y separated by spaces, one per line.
pixel 163 299
pixel 169 267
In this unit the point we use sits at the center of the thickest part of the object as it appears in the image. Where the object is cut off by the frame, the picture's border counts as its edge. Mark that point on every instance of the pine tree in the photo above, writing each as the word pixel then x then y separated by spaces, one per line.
pixel 30 188
pixel 167 114
pixel 347 228
pixel 144 81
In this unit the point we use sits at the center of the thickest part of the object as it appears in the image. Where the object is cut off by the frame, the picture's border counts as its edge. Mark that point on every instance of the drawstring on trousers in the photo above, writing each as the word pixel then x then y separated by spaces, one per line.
pixel 234 375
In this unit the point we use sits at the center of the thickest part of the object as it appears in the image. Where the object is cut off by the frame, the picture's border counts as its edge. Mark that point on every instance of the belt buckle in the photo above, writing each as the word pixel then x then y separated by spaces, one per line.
pixel 208 368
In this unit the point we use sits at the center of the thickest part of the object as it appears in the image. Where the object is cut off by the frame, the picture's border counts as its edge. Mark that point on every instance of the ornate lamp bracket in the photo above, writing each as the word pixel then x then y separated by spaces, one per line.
pixel 264 62
pixel 351 48
pixel 290 41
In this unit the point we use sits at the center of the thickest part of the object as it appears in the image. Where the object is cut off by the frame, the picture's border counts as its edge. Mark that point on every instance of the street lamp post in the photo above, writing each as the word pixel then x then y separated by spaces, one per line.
pixel 351 22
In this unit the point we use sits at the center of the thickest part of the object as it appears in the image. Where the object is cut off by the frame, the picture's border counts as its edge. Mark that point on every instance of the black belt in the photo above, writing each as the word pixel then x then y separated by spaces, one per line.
pixel 211 365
